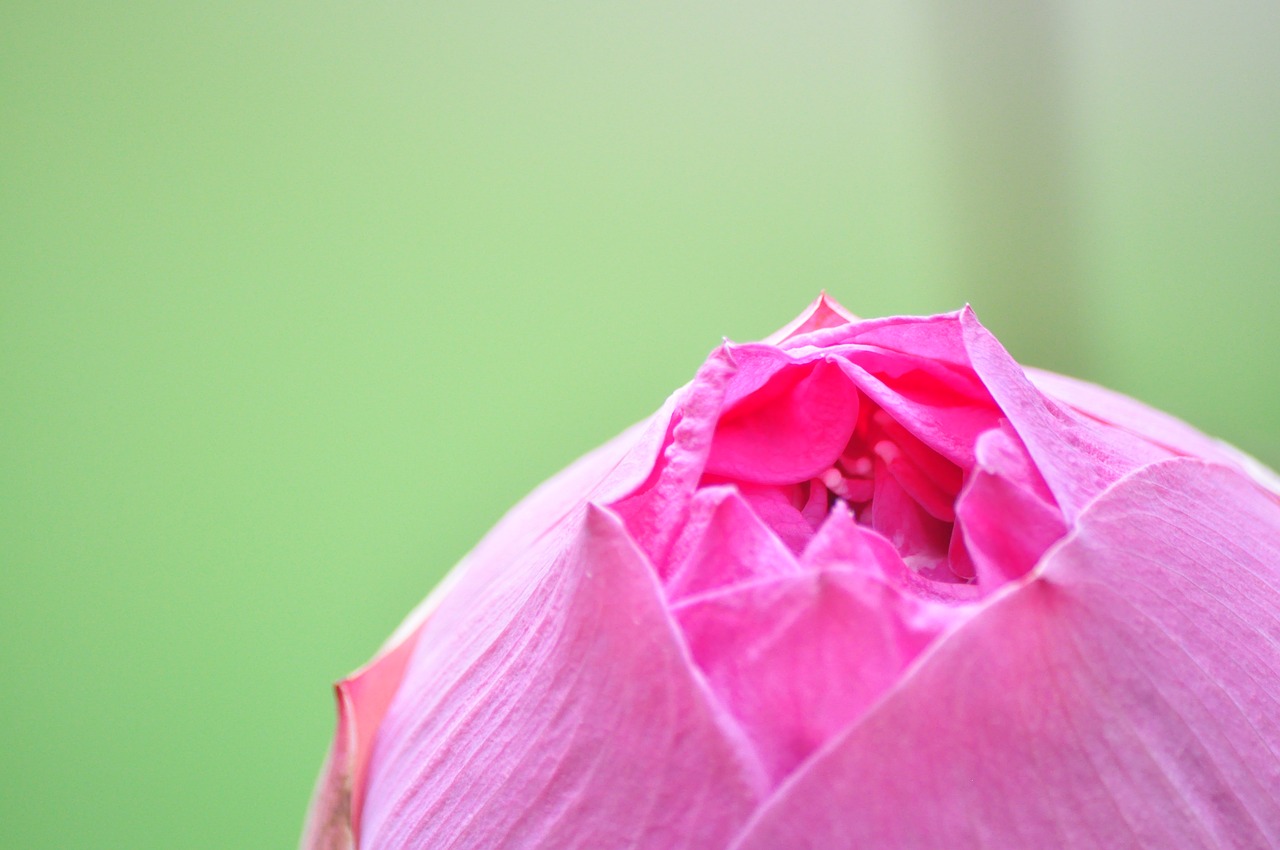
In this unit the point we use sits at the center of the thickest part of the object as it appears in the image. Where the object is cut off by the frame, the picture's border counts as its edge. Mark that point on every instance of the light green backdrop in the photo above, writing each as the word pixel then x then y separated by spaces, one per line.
pixel 297 298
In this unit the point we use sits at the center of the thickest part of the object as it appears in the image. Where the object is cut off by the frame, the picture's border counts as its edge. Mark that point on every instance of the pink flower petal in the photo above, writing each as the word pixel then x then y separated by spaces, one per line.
pixel 557 708
pixel 921 538
pixel 1077 457
pixel 1123 697
pixel 776 506
pixel 724 543
pixel 655 511
pixel 790 430
pixel 946 408
pixel 1006 514
pixel 1167 431
pixel 363 698
pixel 798 658
pixel 824 312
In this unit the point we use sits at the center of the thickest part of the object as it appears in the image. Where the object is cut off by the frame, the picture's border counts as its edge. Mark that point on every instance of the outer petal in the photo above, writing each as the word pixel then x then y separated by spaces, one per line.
pixel 1159 427
pixel 1125 698
pixel 363 698
pixel 557 709
pixel 609 471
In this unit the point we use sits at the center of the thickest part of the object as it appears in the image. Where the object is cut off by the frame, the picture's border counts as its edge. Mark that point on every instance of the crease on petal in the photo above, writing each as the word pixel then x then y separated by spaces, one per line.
pixel 1122 695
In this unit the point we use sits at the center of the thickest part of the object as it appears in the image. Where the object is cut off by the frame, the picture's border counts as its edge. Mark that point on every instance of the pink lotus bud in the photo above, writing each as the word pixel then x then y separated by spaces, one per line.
pixel 866 584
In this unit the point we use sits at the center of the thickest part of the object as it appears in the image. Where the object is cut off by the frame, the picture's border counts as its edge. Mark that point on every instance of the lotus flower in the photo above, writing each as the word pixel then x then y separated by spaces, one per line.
pixel 865 584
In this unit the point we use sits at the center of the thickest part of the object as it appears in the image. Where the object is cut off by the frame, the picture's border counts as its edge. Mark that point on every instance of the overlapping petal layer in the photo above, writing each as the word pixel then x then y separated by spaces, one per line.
pixel 1123 696
pixel 562 713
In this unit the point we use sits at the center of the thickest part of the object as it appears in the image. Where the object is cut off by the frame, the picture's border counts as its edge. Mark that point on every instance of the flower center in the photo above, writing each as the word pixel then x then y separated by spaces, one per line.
pixel 891 481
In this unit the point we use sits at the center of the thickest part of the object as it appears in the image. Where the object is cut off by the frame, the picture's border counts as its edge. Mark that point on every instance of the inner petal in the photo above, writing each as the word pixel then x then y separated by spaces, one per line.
pixel 798 658
pixel 790 430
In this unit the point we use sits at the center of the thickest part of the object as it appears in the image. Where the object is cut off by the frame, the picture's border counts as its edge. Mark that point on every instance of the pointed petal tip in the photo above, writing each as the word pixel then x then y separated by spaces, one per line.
pixel 823 312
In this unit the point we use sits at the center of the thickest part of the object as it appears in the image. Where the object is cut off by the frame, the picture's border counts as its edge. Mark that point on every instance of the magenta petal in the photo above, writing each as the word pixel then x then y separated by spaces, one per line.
pixel 655 511
pixel 1006 514
pixel 724 543
pixel 842 544
pixel 776 507
pixel 1077 457
pixel 921 538
pixel 557 709
pixel 927 387
pixel 797 659
pixel 790 430
pixel 1123 698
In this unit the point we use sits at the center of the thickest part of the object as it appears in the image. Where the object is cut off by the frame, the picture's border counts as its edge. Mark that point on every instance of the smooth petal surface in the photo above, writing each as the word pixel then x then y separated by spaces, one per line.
pixel 791 429
pixel 1123 697
pixel 559 711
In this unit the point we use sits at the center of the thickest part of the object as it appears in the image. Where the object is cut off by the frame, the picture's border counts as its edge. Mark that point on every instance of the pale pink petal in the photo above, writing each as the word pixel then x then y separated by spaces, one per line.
pixel 1169 432
pixel 556 708
pixel 798 658
pixel 1077 457
pixel 609 472
pixel 1123 697
pixel 724 543
pixel 791 429
pixel 1007 517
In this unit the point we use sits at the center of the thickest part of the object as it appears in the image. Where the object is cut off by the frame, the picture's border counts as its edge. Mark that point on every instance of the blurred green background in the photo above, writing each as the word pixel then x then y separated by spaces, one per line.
pixel 297 298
